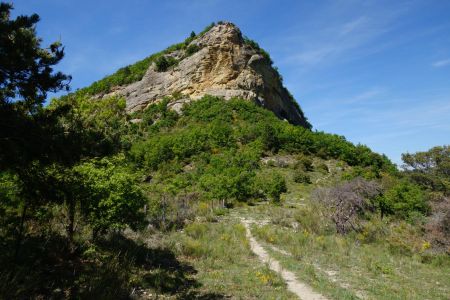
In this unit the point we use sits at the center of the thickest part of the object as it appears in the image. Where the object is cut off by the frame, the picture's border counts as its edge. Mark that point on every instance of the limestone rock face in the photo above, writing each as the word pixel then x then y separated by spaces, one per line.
pixel 225 66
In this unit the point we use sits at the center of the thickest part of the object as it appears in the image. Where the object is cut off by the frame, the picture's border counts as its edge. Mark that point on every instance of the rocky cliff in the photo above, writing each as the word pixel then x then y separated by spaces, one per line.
pixel 219 62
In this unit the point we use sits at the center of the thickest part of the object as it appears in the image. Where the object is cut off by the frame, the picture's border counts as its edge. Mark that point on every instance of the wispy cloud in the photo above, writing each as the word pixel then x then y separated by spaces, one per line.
pixel 353 25
pixel 332 41
pixel 369 94
pixel 441 63
pixel 344 32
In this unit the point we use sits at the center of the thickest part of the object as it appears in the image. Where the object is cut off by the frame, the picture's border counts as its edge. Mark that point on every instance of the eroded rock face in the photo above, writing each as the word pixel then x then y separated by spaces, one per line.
pixel 224 66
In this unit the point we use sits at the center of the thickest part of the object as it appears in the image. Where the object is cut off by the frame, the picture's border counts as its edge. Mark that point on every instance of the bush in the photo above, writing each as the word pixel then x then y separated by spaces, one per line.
pixel 196 230
pixel 191 49
pixel 346 203
pixel 304 163
pixel 366 173
pixel 273 185
pixel 111 198
pixel 323 168
pixel 301 177
pixel 438 225
pixel 163 63
pixel 405 200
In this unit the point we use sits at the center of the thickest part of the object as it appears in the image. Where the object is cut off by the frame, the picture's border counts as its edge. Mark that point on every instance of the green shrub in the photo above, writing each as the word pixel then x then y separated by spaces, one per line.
pixel 304 163
pixel 194 248
pixel 301 177
pixel 323 168
pixel 163 63
pixel 273 185
pixel 312 222
pixel 256 46
pixel 191 49
pixel 405 200
pixel 367 173
pixel 110 196
pixel 196 230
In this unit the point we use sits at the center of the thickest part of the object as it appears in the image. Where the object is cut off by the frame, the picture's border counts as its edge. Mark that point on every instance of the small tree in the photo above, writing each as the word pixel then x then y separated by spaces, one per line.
pixel 26 76
pixel 111 198
pixel 404 200
pixel 164 62
pixel 430 169
pixel 273 185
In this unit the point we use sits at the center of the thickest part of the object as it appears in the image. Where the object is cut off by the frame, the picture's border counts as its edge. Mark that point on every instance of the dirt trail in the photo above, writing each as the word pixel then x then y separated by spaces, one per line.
pixel 300 289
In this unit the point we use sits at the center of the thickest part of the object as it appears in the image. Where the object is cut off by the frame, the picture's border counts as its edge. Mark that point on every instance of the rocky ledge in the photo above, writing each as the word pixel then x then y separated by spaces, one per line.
pixel 225 65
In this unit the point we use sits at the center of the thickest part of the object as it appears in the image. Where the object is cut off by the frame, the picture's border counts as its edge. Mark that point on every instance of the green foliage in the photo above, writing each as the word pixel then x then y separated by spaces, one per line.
pixel 256 46
pixel 214 136
pixel 304 163
pixel 163 63
pixel 430 169
pixel 10 203
pixel 26 76
pixel 405 200
pixel 26 69
pixel 111 198
pixel 301 177
pixel 300 140
pixel 191 49
pixel 357 171
pixel 92 128
pixel 322 167
pixel 229 175
pixel 273 185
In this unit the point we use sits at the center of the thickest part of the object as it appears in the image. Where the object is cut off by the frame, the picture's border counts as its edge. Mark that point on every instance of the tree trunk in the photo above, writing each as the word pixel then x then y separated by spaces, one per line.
pixel 70 226
pixel 94 234
pixel 21 229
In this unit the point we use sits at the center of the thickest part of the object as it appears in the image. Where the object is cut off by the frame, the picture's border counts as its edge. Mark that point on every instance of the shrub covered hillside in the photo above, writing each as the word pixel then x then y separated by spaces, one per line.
pixel 110 171
pixel 214 148
pixel 113 171
pixel 211 152
pixel 98 203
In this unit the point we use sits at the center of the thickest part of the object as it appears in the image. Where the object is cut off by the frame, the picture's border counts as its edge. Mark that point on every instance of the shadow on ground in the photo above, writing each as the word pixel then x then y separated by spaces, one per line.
pixel 113 268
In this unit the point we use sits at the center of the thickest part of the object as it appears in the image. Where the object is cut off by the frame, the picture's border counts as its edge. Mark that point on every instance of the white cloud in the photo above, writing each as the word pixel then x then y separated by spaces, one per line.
pixel 343 32
pixel 353 25
pixel 441 63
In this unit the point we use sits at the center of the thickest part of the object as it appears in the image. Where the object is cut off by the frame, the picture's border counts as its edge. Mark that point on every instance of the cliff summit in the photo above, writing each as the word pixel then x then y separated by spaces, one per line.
pixel 219 62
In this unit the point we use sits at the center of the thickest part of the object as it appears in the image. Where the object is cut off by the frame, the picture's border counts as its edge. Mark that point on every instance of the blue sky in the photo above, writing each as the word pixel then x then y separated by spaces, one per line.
pixel 377 72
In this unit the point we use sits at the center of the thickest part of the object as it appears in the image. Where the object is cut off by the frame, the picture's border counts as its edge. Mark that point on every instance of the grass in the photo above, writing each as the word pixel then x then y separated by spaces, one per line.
pixel 370 269
pixel 384 261
pixel 221 254
pixel 210 258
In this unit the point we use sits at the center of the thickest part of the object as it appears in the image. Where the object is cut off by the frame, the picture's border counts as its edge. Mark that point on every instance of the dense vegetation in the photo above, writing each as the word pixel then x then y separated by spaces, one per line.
pixel 80 178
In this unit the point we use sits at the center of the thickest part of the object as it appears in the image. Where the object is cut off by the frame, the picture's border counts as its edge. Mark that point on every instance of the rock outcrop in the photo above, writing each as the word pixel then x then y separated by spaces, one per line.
pixel 224 65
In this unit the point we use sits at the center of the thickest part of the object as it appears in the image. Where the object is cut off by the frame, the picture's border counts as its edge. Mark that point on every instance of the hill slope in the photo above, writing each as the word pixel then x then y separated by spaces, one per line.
pixel 140 201
pixel 218 62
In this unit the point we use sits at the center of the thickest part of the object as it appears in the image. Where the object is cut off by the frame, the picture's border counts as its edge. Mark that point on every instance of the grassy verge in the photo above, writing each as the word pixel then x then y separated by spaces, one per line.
pixel 330 262
pixel 387 260
pixel 225 265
